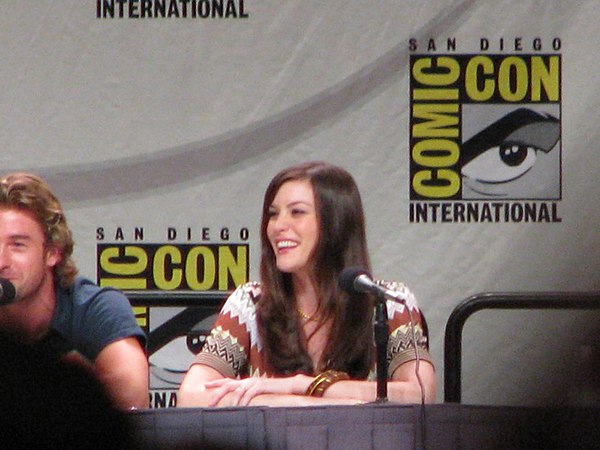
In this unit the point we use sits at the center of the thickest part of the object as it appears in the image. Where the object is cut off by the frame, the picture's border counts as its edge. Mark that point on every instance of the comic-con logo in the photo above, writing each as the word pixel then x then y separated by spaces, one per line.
pixel 485 138
pixel 188 262
pixel 186 267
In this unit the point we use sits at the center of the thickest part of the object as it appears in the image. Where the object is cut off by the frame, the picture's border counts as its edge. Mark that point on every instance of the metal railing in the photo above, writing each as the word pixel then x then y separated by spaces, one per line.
pixel 512 300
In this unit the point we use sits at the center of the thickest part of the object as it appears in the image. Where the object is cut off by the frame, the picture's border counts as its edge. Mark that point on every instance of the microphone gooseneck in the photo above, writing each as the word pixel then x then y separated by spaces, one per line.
pixel 357 280
pixel 348 276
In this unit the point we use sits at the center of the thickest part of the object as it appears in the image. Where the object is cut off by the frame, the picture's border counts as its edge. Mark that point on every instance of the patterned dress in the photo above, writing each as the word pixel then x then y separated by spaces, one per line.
pixel 235 350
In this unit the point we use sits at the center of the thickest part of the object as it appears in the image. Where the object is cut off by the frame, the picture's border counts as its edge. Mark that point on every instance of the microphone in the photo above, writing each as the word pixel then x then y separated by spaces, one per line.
pixel 356 279
pixel 7 292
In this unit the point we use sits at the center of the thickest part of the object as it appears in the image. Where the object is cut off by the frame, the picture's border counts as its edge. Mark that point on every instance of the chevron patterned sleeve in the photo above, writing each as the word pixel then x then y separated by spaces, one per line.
pixel 400 344
pixel 227 349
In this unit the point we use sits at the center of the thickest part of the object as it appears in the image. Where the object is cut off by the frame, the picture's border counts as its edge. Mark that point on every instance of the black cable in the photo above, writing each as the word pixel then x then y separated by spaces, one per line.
pixel 419 380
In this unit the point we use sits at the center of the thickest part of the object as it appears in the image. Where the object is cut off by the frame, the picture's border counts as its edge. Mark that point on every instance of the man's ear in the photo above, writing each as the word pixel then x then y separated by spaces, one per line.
pixel 53 256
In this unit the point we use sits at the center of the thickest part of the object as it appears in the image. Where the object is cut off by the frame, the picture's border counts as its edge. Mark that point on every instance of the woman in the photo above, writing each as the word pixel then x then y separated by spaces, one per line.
pixel 296 338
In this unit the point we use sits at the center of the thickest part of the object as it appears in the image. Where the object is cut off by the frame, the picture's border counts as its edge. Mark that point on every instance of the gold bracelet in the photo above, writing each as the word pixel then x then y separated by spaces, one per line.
pixel 323 381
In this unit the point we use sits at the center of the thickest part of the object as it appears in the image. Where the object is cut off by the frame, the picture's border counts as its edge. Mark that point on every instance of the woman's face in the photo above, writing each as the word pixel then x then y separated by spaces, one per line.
pixel 293 228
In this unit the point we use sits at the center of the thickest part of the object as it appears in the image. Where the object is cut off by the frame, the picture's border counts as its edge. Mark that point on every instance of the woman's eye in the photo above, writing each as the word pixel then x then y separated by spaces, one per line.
pixel 501 164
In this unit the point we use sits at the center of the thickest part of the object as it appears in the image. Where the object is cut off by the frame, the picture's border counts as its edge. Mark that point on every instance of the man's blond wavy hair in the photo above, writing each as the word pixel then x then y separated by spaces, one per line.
pixel 28 192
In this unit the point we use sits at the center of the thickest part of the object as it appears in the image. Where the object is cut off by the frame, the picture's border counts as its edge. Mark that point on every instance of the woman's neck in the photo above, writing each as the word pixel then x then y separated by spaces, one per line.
pixel 305 294
pixel 315 332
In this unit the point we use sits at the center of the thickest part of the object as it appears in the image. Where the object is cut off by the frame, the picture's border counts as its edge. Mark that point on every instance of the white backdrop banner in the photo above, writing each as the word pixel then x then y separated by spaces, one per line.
pixel 470 127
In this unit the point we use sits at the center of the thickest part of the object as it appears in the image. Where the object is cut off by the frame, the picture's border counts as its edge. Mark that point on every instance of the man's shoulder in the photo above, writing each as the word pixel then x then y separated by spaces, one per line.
pixel 90 316
pixel 83 291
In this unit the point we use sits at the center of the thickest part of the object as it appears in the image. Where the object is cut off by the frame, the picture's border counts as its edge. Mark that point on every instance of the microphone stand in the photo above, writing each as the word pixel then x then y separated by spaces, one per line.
pixel 380 330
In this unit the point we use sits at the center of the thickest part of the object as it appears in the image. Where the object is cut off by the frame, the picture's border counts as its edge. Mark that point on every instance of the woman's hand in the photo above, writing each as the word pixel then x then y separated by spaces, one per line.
pixel 243 391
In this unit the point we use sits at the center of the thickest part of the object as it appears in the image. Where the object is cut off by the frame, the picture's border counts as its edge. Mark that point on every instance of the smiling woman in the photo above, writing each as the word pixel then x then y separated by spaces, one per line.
pixel 296 338
pixel 292 228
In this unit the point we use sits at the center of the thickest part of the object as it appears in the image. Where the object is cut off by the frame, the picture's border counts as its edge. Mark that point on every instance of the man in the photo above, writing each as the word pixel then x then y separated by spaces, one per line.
pixel 56 311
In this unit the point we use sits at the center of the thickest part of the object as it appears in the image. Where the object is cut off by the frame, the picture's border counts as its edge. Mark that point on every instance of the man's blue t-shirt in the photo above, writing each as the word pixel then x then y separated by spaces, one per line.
pixel 88 318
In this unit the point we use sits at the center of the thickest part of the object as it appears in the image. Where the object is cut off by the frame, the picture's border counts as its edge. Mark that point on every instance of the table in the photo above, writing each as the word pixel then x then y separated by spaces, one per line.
pixel 370 426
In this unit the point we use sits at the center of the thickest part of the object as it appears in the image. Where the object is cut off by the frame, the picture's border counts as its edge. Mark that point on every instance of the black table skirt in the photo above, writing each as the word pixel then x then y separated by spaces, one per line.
pixel 371 426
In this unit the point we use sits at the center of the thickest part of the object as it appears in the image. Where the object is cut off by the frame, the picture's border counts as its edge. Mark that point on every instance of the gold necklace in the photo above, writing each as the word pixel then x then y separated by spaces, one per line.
pixel 306 316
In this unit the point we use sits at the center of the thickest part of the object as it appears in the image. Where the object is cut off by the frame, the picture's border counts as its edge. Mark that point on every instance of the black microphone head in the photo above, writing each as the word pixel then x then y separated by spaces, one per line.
pixel 347 277
pixel 7 291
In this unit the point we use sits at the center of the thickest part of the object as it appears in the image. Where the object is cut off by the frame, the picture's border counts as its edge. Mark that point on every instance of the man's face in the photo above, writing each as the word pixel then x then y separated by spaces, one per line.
pixel 25 259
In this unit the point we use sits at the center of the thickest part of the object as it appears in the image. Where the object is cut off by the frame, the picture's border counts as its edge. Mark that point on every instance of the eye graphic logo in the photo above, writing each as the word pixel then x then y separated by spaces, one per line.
pixel 515 157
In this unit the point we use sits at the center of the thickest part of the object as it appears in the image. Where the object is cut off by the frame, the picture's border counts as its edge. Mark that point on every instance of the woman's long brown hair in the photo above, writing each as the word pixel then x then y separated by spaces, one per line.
pixel 342 243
